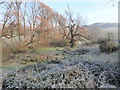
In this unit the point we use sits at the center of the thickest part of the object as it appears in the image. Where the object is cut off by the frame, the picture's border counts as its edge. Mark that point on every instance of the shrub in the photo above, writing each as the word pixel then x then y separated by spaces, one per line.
pixel 20 48
pixel 60 43
pixel 107 46
pixel 14 48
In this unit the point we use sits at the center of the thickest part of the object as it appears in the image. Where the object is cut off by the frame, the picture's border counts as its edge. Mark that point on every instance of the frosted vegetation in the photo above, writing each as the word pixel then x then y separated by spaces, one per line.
pixel 85 67
pixel 44 49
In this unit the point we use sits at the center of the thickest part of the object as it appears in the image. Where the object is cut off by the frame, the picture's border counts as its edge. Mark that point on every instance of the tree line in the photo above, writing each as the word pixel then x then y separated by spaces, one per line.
pixel 35 22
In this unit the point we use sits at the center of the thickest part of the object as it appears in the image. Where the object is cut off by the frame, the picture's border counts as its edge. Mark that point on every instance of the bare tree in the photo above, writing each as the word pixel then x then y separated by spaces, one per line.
pixel 40 23
pixel 17 8
pixel 7 16
pixel 73 26
pixel 113 2
pixel 32 21
pixel 24 17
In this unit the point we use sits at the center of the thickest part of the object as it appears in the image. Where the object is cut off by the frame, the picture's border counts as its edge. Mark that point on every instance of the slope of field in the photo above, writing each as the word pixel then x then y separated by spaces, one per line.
pixel 81 67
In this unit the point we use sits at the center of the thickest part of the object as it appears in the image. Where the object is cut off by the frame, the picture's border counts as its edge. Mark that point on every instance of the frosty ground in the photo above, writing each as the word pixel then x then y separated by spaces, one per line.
pixel 82 67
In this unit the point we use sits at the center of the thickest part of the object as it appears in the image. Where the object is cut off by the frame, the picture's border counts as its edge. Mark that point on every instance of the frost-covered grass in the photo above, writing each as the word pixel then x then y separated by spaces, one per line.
pixel 86 70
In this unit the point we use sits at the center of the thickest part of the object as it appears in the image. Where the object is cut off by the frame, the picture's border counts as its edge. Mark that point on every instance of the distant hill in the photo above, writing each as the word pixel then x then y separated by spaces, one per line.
pixel 105 25
pixel 101 29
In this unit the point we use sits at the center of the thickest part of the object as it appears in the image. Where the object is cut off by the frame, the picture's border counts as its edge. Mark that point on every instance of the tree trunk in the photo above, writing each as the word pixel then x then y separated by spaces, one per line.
pixel 72 41
pixel 18 25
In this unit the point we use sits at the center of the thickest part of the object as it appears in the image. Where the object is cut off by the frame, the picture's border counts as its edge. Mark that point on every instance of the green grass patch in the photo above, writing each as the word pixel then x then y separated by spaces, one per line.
pixel 46 49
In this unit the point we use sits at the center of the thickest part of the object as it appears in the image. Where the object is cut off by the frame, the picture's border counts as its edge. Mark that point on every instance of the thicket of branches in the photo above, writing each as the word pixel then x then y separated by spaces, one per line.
pixel 37 24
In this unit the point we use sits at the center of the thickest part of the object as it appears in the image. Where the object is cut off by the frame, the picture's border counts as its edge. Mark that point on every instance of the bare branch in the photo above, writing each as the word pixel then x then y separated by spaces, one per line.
pixel 3 2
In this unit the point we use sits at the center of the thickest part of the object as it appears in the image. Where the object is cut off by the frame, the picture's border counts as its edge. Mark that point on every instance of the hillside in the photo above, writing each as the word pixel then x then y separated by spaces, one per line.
pixel 105 25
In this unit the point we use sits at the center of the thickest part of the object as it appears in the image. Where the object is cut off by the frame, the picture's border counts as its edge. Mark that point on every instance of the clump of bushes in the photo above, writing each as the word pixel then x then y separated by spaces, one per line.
pixel 14 48
pixel 59 43
pixel 20 48
pixel 107 45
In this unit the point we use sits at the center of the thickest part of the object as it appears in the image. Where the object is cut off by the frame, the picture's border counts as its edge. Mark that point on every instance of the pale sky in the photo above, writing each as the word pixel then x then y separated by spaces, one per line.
pixel 93 11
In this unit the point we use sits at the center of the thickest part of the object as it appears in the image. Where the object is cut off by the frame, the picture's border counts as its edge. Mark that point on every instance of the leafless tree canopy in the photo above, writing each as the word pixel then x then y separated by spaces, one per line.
pixel 38 23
